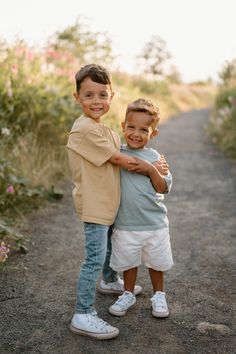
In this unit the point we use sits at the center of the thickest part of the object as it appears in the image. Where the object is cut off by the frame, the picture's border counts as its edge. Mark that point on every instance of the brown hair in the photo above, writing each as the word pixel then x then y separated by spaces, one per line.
pixel 97 73
pixel 143 105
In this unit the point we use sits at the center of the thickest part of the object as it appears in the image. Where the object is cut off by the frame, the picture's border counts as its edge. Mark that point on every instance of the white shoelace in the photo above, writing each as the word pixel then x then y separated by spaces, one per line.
pixel 159 301
pixel 117 285
pixel 96 321
pixel 124 299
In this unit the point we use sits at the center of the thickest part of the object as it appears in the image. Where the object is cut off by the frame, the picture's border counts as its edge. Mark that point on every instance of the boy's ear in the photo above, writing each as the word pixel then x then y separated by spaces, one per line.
pixel 76 97
pixel 154 133
pixel 112 94
pixel 123 126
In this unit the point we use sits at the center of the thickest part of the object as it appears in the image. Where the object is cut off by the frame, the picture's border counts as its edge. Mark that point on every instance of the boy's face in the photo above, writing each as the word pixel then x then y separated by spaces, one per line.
pixel 94 98
pixel 138 129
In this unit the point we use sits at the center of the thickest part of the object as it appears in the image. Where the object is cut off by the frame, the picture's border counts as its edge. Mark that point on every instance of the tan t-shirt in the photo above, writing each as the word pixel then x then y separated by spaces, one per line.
pixel 97 181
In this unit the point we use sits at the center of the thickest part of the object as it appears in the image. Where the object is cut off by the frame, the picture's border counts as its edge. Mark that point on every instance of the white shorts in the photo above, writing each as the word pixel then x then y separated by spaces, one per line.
pixel 132 248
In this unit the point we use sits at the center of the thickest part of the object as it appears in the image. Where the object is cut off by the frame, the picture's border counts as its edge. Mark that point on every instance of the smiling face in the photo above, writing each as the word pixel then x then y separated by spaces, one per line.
pixel 94 98
pixel 138 129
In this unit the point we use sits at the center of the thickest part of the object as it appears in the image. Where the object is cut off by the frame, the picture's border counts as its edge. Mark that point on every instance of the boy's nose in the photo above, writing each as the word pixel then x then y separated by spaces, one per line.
pixel 96 99
pixel 136 132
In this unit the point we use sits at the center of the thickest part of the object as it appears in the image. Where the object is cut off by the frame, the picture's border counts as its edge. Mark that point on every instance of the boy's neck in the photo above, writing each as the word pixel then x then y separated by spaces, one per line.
pixel 95 120
pixel 131 148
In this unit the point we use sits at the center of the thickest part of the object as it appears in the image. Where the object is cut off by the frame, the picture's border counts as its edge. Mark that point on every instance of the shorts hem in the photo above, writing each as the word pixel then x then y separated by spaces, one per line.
pixel 159 269
pixel 123 269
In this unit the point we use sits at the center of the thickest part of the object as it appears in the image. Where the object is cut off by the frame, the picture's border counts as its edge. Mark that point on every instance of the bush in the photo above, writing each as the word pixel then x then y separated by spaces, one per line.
pixel 222 125
pixel 223 121
pixel 36 112
pixel 150 87
pixel 35 92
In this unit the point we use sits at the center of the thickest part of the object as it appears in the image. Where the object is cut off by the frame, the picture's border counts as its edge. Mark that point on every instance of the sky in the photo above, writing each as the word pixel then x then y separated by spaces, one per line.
pixel 200 34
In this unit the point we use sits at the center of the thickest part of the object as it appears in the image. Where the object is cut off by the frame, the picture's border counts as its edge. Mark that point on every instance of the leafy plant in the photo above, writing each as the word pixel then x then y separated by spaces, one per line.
pixel 222 126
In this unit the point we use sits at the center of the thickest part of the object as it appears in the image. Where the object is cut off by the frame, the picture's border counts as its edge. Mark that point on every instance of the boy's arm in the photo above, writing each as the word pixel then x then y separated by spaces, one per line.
pixel 132 164
pixel 148 169
pixel 122 160
pixel 143 167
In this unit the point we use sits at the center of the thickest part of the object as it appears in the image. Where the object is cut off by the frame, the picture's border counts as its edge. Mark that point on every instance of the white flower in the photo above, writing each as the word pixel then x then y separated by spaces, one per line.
pixel 9 88
pixel 5 131
pixel 225 111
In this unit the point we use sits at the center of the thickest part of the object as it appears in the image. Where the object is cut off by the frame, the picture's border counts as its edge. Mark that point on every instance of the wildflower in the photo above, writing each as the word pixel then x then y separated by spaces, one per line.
pixel 52 53
pixel 47 68
pixel 10 189
pixel 9 89
pixel 3 252
pixel 224 112
pixel 30 55
pixel 14 69
pixel 5 131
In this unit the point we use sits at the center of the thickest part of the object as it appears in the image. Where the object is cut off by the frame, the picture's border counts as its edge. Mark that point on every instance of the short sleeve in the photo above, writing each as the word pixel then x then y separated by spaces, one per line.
pixel 94 146
pixel 169 182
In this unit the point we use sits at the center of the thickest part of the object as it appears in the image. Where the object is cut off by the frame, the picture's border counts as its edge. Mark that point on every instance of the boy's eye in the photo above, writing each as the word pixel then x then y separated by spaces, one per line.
pixel 104 94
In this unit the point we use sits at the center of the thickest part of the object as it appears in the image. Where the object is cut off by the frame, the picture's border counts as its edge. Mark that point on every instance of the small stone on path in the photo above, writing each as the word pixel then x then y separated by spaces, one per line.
pixel 206 327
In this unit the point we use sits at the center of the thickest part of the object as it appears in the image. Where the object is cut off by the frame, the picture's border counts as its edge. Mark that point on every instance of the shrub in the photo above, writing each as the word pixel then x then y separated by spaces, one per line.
pixel 35 92
pixel 36 111
pixel 222 125
pixel 223 121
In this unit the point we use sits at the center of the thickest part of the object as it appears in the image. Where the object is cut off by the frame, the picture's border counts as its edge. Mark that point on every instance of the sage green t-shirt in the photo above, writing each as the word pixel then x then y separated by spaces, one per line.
pixel 141 207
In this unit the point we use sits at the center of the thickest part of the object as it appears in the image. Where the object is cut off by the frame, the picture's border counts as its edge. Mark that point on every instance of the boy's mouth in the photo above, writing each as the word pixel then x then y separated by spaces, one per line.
pixel 96 109
pixel 135 140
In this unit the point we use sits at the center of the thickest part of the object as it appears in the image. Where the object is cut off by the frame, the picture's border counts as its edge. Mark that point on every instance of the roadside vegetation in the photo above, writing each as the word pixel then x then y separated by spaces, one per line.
pixel 37 110
pixel 222 126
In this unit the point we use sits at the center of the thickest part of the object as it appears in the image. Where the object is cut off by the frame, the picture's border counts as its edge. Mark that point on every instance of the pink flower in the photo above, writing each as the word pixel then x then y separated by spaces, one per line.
pixel 3 252
pixel 52 53
pixel 10 189
pixel 30 55
pixel 14 69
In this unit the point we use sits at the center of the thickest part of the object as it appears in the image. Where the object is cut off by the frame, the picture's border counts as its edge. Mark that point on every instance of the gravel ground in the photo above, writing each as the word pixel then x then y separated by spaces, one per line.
pixel 37 292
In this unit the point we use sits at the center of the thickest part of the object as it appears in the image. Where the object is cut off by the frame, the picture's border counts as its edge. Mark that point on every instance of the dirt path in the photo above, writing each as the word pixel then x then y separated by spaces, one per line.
pixel 37 293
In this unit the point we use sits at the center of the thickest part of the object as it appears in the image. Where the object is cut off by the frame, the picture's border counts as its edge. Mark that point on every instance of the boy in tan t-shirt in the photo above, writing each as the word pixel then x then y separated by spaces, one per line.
pixel 95 161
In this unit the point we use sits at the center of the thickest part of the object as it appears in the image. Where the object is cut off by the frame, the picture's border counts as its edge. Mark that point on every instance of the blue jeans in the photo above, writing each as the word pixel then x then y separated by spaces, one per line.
pixel 97 259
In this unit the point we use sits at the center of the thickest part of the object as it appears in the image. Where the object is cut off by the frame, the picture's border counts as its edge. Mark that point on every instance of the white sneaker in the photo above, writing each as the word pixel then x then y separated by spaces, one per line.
pixel 91 325
pixel 159 305
pixel 116 288
pixel 123 304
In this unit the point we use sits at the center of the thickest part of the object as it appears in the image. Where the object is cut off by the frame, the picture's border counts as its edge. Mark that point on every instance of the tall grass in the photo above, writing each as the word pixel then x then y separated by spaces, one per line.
pixel 40 165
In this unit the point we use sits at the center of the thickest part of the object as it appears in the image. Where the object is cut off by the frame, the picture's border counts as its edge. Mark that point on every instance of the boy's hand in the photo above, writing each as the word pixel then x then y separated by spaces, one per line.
pixel 142 167
pixel 162 166
pixel 146 168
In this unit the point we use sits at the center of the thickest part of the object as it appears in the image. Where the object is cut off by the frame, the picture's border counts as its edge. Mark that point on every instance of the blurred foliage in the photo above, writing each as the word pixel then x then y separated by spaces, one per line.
pixel 36 108
pixel 35 92
pixel 148 87
pixel 222 126
pixel 228 73
pixel 154 57
pixel 81 43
